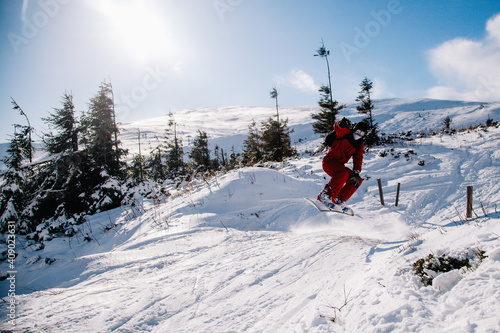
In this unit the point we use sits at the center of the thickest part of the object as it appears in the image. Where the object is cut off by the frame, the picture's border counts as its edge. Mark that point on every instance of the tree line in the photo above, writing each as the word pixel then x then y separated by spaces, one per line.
pixel 84 153
pixel 85 171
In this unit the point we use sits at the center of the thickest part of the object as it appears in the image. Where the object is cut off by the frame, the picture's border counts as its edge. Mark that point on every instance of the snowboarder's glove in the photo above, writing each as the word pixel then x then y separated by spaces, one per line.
pixel 345 123
pixel 355 178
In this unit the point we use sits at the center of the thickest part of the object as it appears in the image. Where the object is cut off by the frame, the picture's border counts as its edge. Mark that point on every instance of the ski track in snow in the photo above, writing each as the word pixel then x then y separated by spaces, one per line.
pixel 246 253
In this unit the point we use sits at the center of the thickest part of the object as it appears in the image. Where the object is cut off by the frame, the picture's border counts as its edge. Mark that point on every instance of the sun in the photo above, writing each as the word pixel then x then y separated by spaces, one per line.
pixel 139 27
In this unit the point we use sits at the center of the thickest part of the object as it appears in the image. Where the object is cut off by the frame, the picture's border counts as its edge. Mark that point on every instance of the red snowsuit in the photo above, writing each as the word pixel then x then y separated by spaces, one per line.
pixel 343 148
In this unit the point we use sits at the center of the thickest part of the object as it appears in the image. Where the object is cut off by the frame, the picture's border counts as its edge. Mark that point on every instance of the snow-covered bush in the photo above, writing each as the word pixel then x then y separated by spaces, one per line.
pixel 430 267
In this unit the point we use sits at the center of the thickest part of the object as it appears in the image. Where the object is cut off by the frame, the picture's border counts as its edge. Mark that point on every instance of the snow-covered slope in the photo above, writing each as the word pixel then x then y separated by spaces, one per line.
pixel 245 252
pixel 228 126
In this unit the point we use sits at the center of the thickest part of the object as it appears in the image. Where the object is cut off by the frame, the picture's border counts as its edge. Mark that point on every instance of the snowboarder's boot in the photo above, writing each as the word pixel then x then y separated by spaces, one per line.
pixel 325 199
pixel 342 207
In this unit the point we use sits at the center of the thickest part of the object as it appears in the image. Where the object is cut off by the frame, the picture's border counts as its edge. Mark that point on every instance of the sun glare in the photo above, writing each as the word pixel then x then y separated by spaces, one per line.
pixel 138 26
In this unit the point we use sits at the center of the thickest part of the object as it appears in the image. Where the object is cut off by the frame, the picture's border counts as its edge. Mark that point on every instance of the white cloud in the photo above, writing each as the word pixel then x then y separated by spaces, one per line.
pixel 301 80
pixel 466 69
pixel 493 28
pixel 380 89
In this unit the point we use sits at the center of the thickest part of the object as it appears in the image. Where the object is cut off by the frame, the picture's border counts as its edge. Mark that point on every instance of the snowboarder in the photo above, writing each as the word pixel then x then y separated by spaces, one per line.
pixel 345 142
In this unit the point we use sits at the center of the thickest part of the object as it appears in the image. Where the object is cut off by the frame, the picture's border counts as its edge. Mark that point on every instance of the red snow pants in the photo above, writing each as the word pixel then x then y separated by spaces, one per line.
pixel 339 185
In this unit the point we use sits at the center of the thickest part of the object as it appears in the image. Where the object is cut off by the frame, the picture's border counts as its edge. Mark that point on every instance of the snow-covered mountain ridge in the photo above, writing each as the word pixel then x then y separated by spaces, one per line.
pixel 244 252
pixel 228 126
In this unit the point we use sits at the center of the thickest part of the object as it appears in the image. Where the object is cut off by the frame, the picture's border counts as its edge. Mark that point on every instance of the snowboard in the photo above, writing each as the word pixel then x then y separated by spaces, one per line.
pixel 323 208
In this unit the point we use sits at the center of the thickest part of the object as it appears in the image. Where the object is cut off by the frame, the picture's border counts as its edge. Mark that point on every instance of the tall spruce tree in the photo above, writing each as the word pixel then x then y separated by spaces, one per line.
pixel 64 122
pixel 274 95
pixel 100 131
pixel 366 107
pixel 175 151
pixel 329 108
pixel 12 198
pixel 322 52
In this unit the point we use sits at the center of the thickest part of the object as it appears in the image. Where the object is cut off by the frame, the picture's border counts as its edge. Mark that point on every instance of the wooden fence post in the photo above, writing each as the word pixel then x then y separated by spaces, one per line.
pixel 397 194
pixel 469 202
pixel 380 192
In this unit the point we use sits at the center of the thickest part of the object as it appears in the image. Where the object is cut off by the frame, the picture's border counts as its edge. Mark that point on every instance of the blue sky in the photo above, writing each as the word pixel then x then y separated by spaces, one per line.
pixel 167 55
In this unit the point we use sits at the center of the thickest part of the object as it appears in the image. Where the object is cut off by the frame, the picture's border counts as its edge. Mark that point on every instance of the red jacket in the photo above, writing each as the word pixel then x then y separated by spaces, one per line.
pixel 344 147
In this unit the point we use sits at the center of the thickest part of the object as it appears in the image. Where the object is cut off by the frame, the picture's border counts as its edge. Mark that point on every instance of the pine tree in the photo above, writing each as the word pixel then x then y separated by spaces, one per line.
pixel 218 161
pixel 274 95
pixel 138 166
pixel 329 108
pixel 272 143
pixel 364 97
pixel 252 146
pixel 63 120
pixel 276 142
pixel 366 107
pixel 325 118
pixel 200 154
pixel 100 131
pixel 12 197
pixel 234 159
pixel 27 143
pixel 447 123
pixel 175 151
pixel 157 169
pixel 322 52
pixel 19 148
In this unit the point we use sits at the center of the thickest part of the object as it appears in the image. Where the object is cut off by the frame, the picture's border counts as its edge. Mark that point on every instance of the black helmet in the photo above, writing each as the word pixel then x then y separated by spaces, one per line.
pixel 360 130
pixel 363 126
